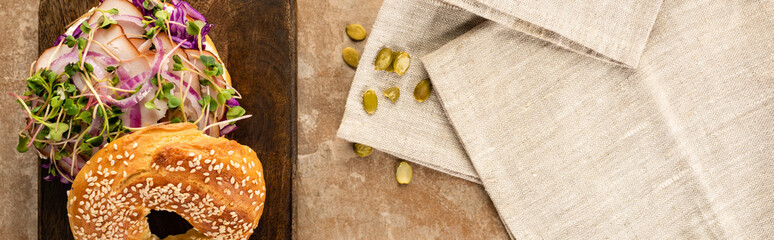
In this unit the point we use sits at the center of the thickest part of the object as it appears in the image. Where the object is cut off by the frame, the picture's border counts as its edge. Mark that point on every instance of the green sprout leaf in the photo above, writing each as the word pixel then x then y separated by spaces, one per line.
pixel 36 84
pixel 56 102
pixel 110 69
pixel 167 87
pixel 85 27
pixel 69 41
pixel 89 68
pixel 81 43
pixel 85 147
pixel 149 4
pixel 84 116
pixel 70 107
pixel 113 11
pixel 50 76
pixel 55 130
pixel 71 69
pixel 204 82
pixel 155 81
pixel 95 141
pixel 173 101
pixel 105 21
pixel 69 87
pixel 82 102
pixel 207 99
pixel 100 112
pixel 23 142
pixel 223 96
pixel 211 66
pixel 114 80
pixel 194 27
pixel 176 120
pixel 161 15
pixel 235 112
pixel 177 67
pixel 150 105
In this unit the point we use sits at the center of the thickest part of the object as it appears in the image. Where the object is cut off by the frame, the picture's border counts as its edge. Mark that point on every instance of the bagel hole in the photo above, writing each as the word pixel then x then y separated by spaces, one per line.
pixel 165 223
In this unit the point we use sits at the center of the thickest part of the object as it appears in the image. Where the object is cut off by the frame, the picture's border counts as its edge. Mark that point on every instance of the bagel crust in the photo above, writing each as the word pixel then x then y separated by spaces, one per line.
pixel 215 184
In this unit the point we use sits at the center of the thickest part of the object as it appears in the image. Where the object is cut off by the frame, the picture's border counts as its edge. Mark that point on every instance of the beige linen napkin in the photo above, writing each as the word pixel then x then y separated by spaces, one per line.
pixel 418 132
pixel 570 147
pixel 613 31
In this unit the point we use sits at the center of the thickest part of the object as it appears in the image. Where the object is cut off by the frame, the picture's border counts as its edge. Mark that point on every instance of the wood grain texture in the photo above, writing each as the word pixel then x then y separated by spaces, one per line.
pixel 256 39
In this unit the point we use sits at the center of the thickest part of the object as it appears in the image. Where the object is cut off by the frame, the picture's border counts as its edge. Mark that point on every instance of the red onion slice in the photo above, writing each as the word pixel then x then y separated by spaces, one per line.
pixel 146 87
pixel 227 129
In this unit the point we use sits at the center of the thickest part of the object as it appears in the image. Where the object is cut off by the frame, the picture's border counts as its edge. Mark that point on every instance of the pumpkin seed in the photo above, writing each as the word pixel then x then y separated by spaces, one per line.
pixel 422 90
pixel 351 56
pixel 391 68
pixel 404 173
pixel 383 59
pixel 356 32
pixel 369 101
pixel 392 93
pixel 362 150
pixel 402 62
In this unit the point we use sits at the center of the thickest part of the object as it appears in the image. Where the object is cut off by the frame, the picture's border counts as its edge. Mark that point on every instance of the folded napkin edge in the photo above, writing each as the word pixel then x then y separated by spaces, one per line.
pixel 345 132
pixel 598 46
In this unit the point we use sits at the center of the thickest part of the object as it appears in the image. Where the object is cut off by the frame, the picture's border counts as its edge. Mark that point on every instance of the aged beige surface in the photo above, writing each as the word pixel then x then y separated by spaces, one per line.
pixel 338 195
pixel 18 172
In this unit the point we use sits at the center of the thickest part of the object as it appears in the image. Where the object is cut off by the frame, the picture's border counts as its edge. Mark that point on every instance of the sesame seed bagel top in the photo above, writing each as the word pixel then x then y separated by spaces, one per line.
pixel 215 184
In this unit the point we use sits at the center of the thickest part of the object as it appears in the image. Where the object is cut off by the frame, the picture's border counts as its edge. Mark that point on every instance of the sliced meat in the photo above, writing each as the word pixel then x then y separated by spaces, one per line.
pixel 104 36
pixel 50 55
pixel 125 9
pixel 129 71
pixel 142 45
pixel 123 48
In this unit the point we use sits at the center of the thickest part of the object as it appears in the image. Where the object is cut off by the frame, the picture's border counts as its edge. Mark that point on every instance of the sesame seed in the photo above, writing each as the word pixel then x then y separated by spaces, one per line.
pixel 230 152
pixel 115 147
pixel 134 145
pixel 212 152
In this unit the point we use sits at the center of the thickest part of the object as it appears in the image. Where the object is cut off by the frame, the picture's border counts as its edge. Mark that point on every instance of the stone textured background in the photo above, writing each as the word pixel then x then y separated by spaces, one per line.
pixel 336 194
pixel 18 172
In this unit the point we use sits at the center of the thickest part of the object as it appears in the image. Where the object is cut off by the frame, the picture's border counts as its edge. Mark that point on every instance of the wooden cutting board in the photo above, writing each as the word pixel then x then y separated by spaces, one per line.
pixel 256 39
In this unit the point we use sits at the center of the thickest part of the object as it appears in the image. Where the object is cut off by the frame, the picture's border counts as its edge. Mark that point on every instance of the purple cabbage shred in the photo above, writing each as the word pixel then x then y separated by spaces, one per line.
pixel 232 102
